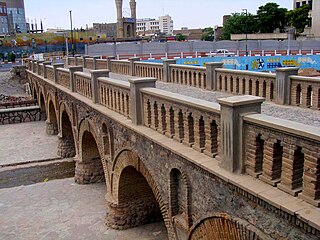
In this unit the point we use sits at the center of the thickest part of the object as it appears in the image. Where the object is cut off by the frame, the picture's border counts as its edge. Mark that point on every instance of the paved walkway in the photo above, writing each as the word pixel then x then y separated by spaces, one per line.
pixel 61 209
pixel 26 142
pixel 296 114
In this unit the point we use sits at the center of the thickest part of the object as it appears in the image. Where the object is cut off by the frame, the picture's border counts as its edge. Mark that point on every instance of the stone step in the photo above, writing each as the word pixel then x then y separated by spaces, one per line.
pixel 29 173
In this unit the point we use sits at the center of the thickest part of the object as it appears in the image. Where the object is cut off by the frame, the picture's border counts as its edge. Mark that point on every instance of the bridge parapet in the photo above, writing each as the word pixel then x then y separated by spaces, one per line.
pixel 83 84
pixel 120 67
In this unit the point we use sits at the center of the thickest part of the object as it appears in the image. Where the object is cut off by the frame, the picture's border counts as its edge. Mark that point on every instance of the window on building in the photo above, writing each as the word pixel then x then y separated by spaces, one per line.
pixel 298 4
pixel 310 4
pixel 309 22
pixel 304 3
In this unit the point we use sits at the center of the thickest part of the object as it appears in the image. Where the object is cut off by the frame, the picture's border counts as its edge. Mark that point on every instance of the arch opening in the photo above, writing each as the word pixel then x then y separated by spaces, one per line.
pixel 52 123
pixel 66 146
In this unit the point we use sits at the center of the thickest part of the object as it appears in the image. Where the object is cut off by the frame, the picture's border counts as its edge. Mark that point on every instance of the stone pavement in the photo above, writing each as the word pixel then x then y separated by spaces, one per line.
pixel 26 142
pixel 61 209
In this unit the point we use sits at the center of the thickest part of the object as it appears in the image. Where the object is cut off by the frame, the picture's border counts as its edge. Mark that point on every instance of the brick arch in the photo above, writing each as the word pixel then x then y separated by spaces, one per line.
pixel 223 226
pixel 132 160
pixel 52 115
pixel 87 125
pixel 107 141
pixel 67 135
pixel 186 185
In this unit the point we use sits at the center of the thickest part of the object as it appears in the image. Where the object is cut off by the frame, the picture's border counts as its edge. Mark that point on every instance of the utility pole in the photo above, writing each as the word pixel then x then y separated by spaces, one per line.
pixel 246 29
pixel 72 44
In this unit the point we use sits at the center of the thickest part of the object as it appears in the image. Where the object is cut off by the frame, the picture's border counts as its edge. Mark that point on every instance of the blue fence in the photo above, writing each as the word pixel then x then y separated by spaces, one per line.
pixel 265 63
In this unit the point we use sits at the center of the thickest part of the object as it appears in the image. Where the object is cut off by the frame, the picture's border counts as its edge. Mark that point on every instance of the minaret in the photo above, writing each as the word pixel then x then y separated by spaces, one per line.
pixel 119 18
pixel 133 7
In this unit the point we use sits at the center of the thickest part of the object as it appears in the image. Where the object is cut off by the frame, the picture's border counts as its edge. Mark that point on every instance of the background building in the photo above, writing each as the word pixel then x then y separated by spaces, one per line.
pixel 3 19
pixel 149 26
pixel 16 16
pixel 109 29
pixel 313 30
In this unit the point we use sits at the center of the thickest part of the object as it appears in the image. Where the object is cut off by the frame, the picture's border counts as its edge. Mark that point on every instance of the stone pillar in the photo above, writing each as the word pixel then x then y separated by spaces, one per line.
pixel 38 66
pixel 76 60
pixel 45 69
pixel 84 57
pixel 34 66
pixel 136 105
pixel 232 110
pixel 89 172
pixel 66 147
pixel 109 62
pixel 55 71
pixel 95 74
pixel 68 61
pixel 95 58
pixel 132 68
pixel 72 70
pixel 283 95
pixel 211 80
pixel 166 69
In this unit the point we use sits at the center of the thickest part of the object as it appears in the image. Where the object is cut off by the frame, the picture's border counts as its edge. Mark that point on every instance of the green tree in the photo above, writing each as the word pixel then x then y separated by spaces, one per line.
pixel 299 17
pixel 271 17
pixel 237 24
pixel 181 37
pixel 207 34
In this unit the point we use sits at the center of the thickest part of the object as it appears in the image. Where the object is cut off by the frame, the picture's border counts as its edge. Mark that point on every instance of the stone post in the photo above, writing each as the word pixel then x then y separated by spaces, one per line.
pixel 95 74
pixel 211 79
pixel 166 69
pixel 68 61
pixel 38 66
pixel 95 58
pixel 55 71
pixel 283 95
pixel 76 60
pixel 34 66
pixel 84 57
pixel 72 70
pixel 132 68
pixel 109 62
pixel 136 106
pixel 232 142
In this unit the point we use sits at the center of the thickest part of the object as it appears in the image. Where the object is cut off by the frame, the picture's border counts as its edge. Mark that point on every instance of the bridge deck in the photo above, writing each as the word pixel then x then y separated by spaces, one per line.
pixel 296 114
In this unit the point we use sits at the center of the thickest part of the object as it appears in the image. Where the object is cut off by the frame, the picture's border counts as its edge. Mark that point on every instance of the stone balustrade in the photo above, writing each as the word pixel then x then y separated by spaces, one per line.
pixel 193 122
pixel 305 92
pixel 120 67
pixel 63 77
pixel 144 69
pixel 188 75
pixel 83 84
pixel 246 83
pixel 284 154
pixel 115 95
pixel 102 64
pixel 49 72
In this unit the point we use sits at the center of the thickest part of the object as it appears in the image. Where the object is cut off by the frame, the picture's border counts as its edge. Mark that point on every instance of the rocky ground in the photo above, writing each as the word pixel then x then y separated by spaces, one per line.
pixel 11 87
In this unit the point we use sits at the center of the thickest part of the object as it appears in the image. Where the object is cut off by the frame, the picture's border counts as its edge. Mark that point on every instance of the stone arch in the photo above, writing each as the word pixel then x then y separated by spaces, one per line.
pixel 66 145
pixel 222 226
pixel 107 142
pixel 180 205
pixel 127 161
pixel 52 119
pixel 90 164
pixel 42 104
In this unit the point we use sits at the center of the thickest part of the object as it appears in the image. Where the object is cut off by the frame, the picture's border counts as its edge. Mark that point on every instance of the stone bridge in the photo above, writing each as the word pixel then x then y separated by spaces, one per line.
pixel 209 171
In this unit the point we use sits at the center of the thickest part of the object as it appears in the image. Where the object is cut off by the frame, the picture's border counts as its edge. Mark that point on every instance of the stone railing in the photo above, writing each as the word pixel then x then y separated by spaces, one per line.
pixel 305 92
pixel 49 72
pixel 144 69
pixel 188 75
pixel 102 64
pixel 115 95
pixel 63 77
pixel 89 63
pixel 193 122
pixel 120 67
pixel 20 115
pixel 83 84
pixel 246 83
pixel 284 154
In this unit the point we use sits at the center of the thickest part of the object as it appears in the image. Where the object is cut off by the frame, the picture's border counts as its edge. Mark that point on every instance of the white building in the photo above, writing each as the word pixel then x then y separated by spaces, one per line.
pixel 148 26
pixel 313 29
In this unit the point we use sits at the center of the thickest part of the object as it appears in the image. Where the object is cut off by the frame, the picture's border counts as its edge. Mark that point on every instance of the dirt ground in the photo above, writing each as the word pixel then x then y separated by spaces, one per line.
pixel 11 87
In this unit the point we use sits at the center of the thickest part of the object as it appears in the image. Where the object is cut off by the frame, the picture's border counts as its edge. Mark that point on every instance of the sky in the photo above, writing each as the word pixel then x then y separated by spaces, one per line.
pixel 185 13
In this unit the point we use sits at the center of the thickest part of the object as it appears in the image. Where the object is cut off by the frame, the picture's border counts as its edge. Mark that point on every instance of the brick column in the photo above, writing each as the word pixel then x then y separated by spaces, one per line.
pixel 232 111
pixel 95 58
pixel 136 106
pixel 132 67
pixel 55 71
pixel 283 94
pixel 95 74
pixel 72 70
pixel 45 69
pixel 166 69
